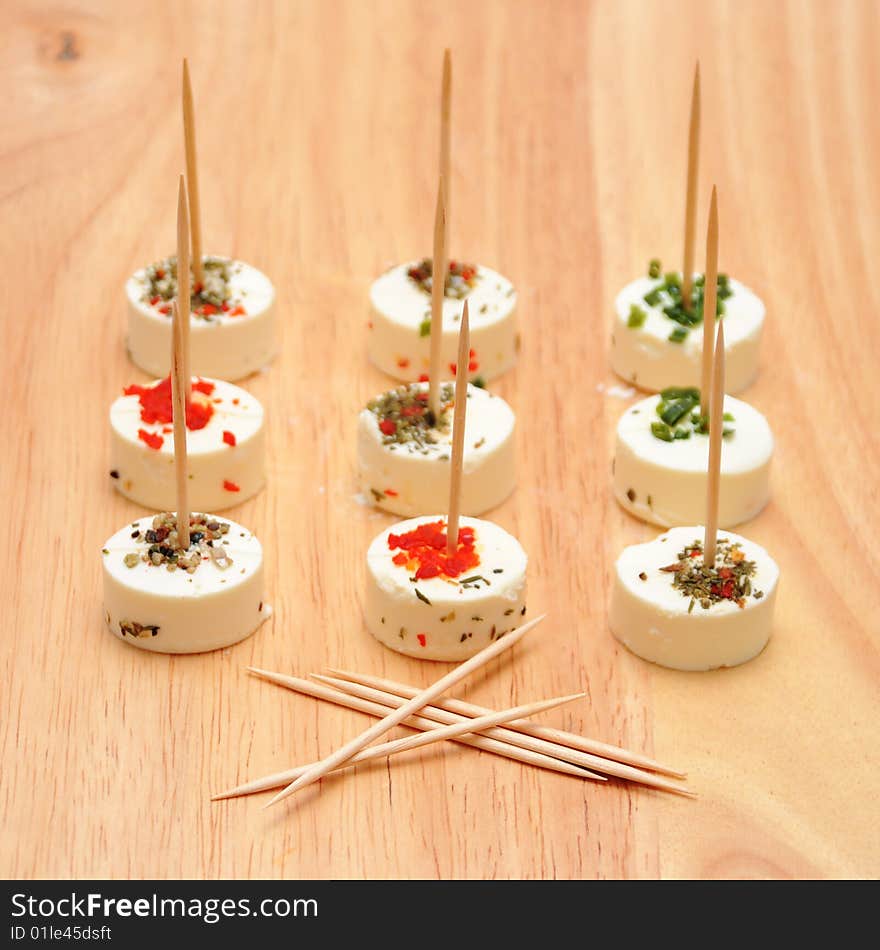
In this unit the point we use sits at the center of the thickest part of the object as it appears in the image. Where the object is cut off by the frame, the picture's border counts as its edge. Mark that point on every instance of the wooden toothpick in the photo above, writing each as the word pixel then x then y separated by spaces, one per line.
pixel 446 126
pixel 438 292
pixel 183 284
pixel 407 709
pixel 556 736
pixel 716 428
pixel 459 421
pixel 436 733
pixel 710 297
pixel 690 208
pixel 192 174
pixel 178 413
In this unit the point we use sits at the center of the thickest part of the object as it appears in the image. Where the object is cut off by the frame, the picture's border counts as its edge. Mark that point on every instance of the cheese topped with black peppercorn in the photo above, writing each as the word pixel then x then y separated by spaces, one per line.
pixel 233 325
pixel 404 454
pixel 424 603
pixel 667 607
pixel 656 343
pixel 398 341
pixel 158 597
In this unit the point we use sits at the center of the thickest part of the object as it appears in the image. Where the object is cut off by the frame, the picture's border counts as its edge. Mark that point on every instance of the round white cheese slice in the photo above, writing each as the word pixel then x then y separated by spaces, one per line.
pixel 225 458
pixel 441 618
pixel 399 330
pixel 647 358
pixel 154 608
pixel 229 344
pixel 660 623
pixel 665 482
pixel 412 477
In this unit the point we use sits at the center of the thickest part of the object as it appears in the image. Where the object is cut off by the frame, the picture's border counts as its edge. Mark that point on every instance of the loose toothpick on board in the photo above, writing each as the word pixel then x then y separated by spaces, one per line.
pixel 192 174
pixel 407 709
pixel 438 292
pixel 183 284
pixel 459 421
pixel 690 208
pixel 560 737
pixel 437 733
pixel 716 428
pixel 504 734
pixel 710 298
pixel 446 125
pixel 178 413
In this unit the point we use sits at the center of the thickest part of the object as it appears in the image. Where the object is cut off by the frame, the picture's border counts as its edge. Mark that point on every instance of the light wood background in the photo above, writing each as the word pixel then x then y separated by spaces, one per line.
pixel 318 143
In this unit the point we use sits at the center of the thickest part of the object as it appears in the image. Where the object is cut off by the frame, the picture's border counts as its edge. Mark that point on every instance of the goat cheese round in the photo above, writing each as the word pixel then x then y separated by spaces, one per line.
pixel 225 443
pixel 399 341
pixel 420 603
pixel 233 323
pixel 653 351
pixel 404 462
pixel 662 478
pixel 174 610
pixel 682 620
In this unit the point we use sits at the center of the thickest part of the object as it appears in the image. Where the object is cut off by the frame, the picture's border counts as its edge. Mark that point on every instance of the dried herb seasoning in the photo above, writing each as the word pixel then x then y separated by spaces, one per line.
pixel 460 279
pixel 730 579
pixel 405 419
pixel 208 300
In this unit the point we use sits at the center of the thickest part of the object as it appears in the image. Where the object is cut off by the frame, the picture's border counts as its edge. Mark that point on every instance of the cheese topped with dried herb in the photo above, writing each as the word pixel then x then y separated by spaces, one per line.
pixel 668 607
pixel 404 454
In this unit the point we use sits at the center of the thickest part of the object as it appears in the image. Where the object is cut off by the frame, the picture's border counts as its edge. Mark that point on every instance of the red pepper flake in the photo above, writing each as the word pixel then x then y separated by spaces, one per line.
pixel 228 437
pixel 165 309
pixel 160 273
pixel 156 403
pixel 412 411
pixel 236 401
pixel 224 306
pixel 370 325
pixel 153 440
pixel 167 430
pixel 422 638
pixel 237 311
pixel 423 377
pixel 208 310
pixel 402 362
pixel 473 366
pixel 391 492
pixel 154 300
pixel 231 486
pixel 453 369
pixel 388 426
pixel 423 550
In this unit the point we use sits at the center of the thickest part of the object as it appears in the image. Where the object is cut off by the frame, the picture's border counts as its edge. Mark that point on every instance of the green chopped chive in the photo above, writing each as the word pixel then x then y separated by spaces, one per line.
pixel 728 417
pixel 422 597
pixel 727 433
pixel 680 392
pixel 671 412
pixel 637 316
pixel 678 335
pixel 655 268
pixel 662 431
pixel 479 382
pixel 425 327
pixel 652 297
pixel 682 433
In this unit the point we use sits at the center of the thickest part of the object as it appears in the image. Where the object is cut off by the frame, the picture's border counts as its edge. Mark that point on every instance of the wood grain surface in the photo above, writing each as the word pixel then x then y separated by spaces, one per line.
pixel 317 129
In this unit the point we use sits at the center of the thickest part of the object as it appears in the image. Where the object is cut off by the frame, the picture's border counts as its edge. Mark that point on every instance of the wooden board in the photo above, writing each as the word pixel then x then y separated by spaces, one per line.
pixel 318 140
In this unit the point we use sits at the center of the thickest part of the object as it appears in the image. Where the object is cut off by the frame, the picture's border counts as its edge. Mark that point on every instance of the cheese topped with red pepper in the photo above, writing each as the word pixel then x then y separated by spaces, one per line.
pixel 225 445
pixel 424 602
